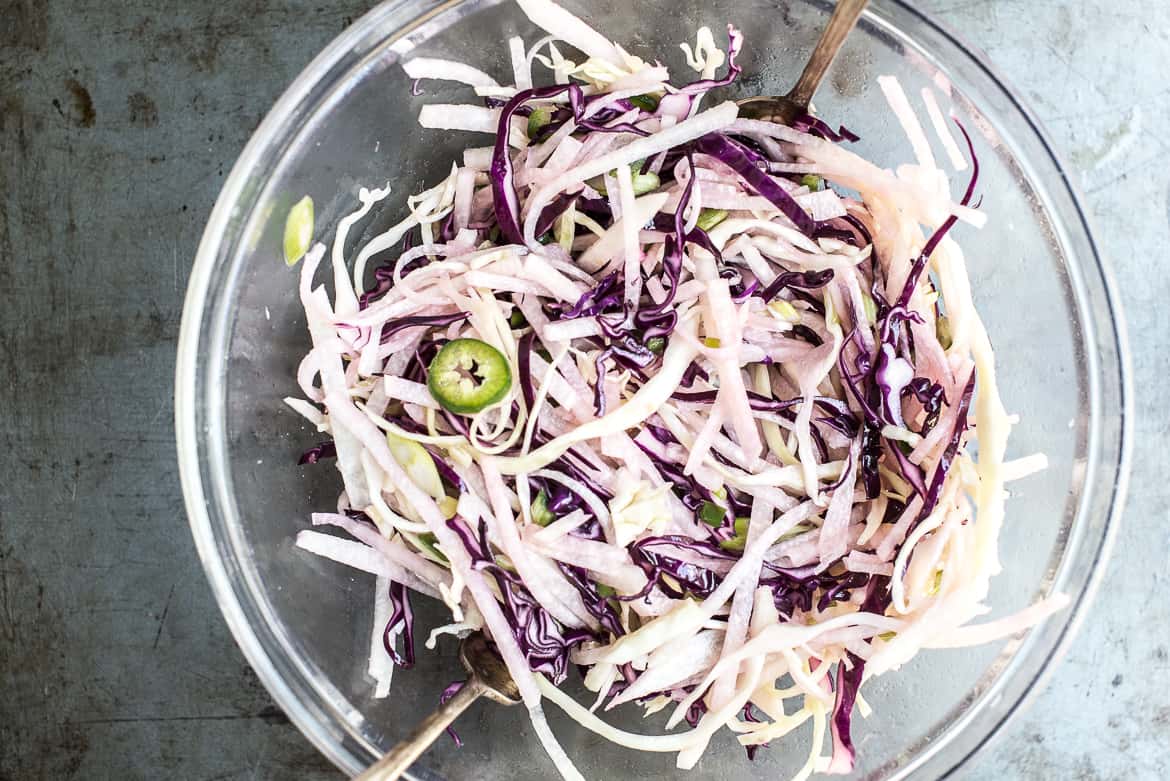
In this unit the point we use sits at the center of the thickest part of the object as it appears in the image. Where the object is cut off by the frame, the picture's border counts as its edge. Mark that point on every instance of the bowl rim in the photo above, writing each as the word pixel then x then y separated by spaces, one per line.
pixel 192 429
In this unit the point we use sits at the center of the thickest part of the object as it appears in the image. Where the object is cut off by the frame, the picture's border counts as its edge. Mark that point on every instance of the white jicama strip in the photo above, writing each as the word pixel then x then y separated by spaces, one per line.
pixel 567 330
pixel 345 297
pixel 741 608
pixel 656 743
pixel 602 251
pixel 447 70
pixel 333 383
pixel 857 561
pixel 539 270
pixel 900 105
pixel 834 540
pixel 958 162
pixel 718 717
pixel 630 245
pixel 571 29
pixel 306 410
pixel 478 158
pixel 362 557
pixel 521 74
pixel 381 667
pixel 422 569
pixel 671 664
pixel 978 634
pixel 548 535
pixel 1023 467
pixel 699 125
pixel 407 390
pixel 475 119
pixel 464 190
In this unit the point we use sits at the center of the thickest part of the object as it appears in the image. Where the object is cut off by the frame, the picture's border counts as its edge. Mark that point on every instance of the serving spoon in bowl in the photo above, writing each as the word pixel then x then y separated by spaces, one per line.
pixel 784 109
pixel 488 676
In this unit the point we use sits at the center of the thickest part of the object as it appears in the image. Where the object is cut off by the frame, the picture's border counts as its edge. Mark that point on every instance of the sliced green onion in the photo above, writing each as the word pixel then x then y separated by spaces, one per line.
pixel 540 116
pixel 298 230
pixel 417 463
pixel 736 543
pixel 656 344
pixel 712 514
pixel 712 342
pixel 645 102
pixel 605 591
pixel 517 319
pixel 741 526
pixel 812 182
pixel 943 329
pixel 645 183
pixel 541 515
pixel 870 308
pixel 468 376
pixel 887 636
pixel 709 218
pixel 785 310
pixel 796 531
pixel 937 584
pixel 430 543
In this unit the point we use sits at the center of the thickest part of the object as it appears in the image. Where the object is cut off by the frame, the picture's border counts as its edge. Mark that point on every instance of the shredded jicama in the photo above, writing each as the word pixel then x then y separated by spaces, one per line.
pixel 729 441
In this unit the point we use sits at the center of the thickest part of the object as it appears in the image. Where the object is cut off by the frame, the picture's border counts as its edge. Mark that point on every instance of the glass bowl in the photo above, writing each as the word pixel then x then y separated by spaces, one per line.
pixel 349 120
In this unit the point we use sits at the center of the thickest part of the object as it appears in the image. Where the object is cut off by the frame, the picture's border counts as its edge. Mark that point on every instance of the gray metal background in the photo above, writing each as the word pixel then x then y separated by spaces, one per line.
pixel 118 122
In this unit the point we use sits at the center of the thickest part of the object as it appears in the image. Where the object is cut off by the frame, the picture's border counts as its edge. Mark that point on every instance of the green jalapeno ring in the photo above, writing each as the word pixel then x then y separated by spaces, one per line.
pixel 468 376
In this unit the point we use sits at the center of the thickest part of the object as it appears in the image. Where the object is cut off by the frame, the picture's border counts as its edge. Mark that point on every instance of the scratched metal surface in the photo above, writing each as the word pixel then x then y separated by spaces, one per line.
pixel 118 122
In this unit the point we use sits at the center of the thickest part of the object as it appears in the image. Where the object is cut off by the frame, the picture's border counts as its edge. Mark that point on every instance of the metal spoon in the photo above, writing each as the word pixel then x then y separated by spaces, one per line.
pixel 788 107
pixel 488 677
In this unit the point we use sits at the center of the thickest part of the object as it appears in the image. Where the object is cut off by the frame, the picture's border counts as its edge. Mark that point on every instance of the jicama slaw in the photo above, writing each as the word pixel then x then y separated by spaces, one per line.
pixel 679 397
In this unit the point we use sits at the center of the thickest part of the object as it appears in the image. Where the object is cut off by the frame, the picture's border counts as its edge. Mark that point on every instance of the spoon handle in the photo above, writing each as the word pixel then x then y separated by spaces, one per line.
pixel 402 756
pixel 844 17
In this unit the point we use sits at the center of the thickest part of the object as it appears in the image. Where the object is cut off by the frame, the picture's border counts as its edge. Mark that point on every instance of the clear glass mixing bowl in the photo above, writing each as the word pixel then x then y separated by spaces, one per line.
pixel 349 120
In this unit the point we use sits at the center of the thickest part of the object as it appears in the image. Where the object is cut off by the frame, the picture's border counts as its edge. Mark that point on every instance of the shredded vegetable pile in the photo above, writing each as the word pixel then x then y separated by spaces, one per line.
pixel 682 398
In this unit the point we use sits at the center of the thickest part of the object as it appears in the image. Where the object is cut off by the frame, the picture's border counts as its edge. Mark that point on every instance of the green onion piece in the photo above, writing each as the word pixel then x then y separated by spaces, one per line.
pixel 712 514
pixel 645 102
pixel 785 310
pixel 645 183
pixel 813 182
pixel 796 531
pixel 937 584
pixel 429 543
pixel 540 513
pixel 709 218
pixel 713 342
pixel 943 329
pixel 736 543
pixel 656 344
pixel 547 238
pixel 870 308
pixel 605 591
pixel 468 376
pixel 887 636
pixel 298 230
pixel 517 319
pixel 540 116
pixel 741 526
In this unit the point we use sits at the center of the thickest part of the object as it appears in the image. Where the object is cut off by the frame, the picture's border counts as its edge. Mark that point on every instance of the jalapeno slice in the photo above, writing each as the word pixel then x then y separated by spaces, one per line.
pixel 467 376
